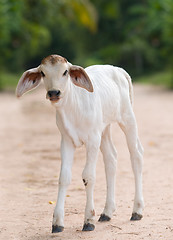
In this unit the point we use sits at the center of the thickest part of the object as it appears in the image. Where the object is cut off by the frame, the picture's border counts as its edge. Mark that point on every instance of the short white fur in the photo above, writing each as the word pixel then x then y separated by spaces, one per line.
pixel 85 117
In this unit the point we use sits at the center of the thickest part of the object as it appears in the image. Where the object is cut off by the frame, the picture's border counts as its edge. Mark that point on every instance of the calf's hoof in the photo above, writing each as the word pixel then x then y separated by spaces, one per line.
pixel 57 229
pixel 104 218
pixel 88 227
pixel 136 217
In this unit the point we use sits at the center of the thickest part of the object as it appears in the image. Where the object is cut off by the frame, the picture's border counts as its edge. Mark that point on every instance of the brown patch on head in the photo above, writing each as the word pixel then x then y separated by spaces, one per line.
pixel 53 59
pixel 32 76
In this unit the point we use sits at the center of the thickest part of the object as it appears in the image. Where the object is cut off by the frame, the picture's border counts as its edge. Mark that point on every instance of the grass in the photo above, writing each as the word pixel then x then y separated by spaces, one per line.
pixel 164 78
pixel 8 81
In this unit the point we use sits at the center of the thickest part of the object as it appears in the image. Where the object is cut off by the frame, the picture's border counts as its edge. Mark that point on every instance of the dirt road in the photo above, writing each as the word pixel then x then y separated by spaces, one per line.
pixel 30 163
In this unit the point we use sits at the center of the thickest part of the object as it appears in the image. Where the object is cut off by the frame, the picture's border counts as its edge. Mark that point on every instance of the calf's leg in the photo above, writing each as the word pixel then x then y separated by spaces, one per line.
pixel 67 153
pixel 88 177
pixel 129 127
pixel 110 158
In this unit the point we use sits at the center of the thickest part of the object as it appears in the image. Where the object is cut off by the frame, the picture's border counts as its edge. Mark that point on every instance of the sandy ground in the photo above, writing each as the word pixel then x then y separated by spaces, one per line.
pixel 30 163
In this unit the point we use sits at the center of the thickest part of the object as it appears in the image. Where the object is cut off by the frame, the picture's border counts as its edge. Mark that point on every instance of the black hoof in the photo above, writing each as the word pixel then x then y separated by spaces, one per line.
pixel 57 229
pixel 88 227
pixel 135 217
pixel 104 218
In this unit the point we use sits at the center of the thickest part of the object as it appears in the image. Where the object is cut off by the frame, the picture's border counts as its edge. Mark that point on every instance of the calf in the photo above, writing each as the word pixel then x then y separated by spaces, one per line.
pixel 87 101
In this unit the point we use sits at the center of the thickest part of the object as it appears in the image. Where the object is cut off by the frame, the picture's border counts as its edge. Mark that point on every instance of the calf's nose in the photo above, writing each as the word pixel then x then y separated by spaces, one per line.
pixel 53 94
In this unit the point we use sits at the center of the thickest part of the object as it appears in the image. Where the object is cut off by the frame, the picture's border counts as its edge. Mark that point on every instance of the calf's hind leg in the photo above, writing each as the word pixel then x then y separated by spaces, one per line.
pixel 129 127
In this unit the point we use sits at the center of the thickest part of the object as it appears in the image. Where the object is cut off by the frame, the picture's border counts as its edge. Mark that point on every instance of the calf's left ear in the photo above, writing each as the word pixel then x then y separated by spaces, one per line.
pixel 80 78
pixel 29 80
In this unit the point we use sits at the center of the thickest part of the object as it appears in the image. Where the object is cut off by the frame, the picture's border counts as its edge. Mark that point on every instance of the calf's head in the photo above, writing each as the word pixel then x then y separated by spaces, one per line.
pixel 56 73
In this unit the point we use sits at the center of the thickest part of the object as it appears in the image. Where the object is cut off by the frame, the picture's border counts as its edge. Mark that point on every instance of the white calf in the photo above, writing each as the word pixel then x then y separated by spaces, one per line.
pixel 87 102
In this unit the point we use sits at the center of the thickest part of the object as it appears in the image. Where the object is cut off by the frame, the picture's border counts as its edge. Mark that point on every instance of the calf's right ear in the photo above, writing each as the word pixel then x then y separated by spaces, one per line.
pixel 29 80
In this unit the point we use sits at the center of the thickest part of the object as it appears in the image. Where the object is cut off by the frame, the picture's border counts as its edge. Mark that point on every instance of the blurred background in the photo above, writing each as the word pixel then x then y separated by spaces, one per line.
pixel 136 35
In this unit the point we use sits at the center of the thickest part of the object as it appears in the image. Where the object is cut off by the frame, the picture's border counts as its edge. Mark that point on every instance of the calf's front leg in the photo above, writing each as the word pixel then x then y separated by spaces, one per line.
pixel 88 177
pixel 110 158
pixel 67 154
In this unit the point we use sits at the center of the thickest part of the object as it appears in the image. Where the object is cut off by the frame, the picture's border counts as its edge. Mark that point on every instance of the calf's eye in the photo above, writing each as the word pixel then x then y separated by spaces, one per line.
pixel 42 73
pixel 65 73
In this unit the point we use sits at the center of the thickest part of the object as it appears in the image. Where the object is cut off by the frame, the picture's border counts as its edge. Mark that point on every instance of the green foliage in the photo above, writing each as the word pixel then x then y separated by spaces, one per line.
pixel 8 81
pixel 85 13
pixel 160 78
pixel 136 35
pixel 28 29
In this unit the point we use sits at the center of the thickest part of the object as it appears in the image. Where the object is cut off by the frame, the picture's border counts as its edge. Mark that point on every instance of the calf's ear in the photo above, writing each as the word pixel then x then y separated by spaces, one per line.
pixel 80 78
pixel 29 80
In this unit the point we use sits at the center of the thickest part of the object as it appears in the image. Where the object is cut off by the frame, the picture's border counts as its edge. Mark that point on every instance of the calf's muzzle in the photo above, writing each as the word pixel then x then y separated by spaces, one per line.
pixel 53 95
